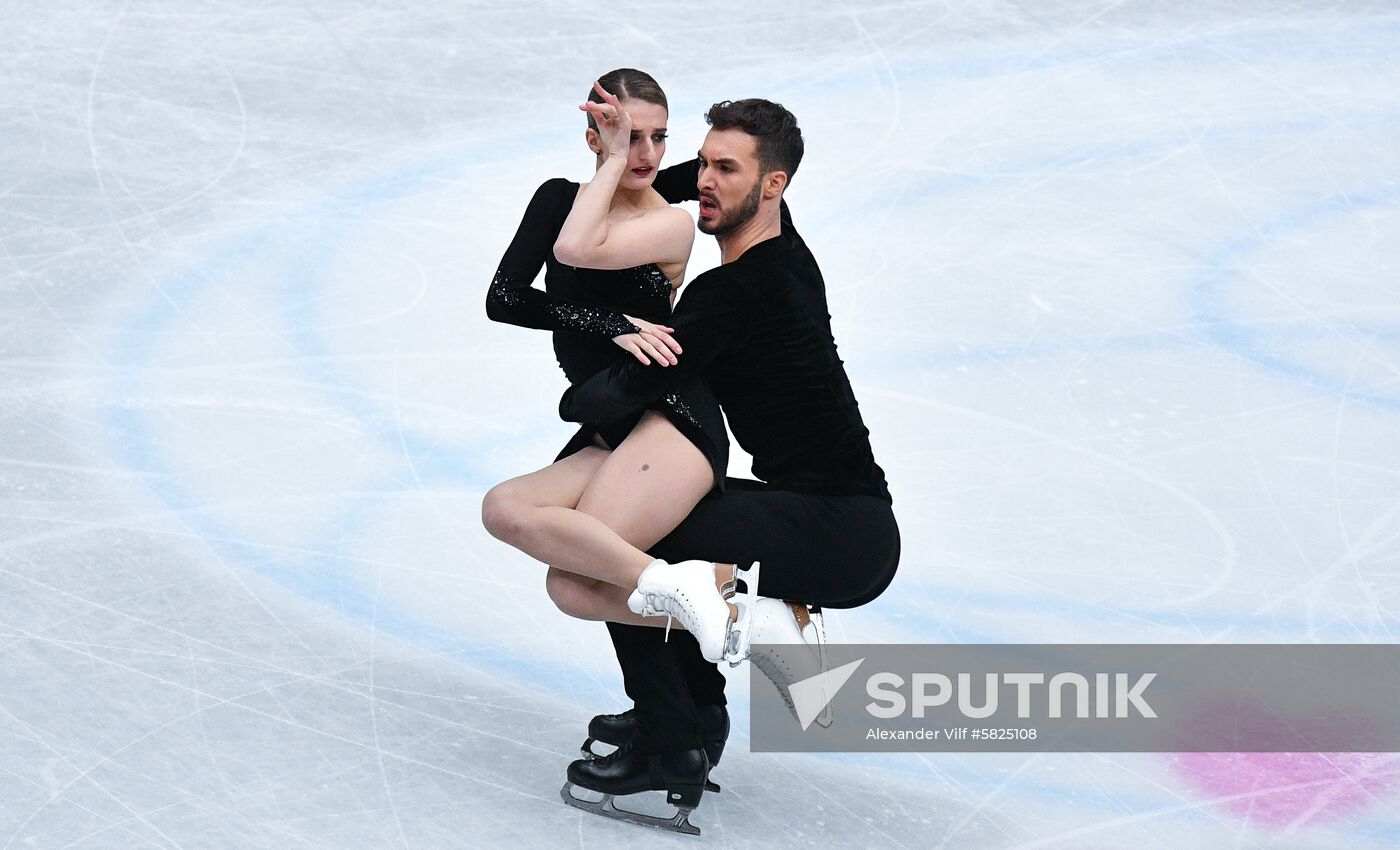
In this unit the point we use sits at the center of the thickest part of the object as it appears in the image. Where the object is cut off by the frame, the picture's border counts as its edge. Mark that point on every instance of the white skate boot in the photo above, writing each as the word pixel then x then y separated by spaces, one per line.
pixel 685 591
pixel 788 647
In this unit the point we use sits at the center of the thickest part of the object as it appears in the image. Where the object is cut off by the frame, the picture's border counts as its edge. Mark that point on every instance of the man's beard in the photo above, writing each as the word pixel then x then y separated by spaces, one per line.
pixel 740 217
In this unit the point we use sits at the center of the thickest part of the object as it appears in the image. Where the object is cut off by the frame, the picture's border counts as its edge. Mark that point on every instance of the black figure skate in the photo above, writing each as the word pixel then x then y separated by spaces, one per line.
pixel 620 730
pixel 629 771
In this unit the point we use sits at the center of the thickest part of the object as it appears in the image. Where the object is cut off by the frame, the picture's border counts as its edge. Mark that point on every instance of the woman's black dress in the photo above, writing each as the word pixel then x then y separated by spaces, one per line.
pixel 584 308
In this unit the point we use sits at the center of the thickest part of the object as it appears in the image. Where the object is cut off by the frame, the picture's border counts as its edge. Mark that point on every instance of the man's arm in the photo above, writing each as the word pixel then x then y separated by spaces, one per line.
pixel 679 182
pixel 708 321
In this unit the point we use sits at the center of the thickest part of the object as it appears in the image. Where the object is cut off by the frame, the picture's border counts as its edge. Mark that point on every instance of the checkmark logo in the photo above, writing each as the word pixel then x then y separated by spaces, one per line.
pixel 812 695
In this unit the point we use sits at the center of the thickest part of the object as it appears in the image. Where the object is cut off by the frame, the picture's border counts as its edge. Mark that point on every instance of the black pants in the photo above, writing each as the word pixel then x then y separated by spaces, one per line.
pixel 832 551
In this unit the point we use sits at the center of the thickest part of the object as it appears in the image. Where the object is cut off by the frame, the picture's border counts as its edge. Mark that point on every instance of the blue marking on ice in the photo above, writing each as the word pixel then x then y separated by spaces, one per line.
pixel 324 580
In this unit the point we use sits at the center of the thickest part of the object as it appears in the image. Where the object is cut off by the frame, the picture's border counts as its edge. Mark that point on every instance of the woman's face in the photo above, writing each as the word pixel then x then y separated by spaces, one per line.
pixel 648 143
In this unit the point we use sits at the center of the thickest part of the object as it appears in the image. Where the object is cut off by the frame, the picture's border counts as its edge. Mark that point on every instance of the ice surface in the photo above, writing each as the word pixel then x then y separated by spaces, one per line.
pixel 1115 282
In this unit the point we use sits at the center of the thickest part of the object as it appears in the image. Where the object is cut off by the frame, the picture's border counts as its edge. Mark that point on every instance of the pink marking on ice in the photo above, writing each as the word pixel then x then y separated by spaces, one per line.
pixel 1291 789
pixel 1288 789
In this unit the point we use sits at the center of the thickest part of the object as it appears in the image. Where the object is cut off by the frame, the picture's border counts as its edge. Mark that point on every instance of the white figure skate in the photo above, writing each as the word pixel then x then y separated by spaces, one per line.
pixel 789 645
pixel 686 591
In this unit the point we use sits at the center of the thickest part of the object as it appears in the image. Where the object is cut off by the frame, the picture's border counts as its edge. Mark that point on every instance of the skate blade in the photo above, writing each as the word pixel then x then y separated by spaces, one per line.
pixel 678 823
pixel 817 618
pixel 736 639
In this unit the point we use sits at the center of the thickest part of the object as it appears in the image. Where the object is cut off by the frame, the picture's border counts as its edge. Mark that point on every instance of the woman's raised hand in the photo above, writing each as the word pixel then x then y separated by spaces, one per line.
pixel 651 341
pixel 614 124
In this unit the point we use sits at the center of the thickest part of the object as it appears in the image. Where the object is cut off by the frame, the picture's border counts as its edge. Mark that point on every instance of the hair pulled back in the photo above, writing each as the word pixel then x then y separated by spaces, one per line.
pixel 628 84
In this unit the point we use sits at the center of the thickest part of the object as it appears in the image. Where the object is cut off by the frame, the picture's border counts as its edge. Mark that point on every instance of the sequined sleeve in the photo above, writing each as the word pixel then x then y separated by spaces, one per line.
pixel 512 299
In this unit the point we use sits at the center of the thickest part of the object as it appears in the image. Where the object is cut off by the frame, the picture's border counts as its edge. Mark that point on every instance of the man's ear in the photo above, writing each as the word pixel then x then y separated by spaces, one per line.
pixel 774 182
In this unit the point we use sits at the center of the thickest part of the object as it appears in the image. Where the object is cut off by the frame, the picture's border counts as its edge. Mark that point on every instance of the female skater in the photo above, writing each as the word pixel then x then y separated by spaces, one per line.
pixel 616 248
pixel 614 252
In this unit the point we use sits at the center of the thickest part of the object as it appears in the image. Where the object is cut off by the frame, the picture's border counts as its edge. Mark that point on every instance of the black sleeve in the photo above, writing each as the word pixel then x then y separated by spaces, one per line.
pixel 709 319
pixel 511 298
pixel 677 183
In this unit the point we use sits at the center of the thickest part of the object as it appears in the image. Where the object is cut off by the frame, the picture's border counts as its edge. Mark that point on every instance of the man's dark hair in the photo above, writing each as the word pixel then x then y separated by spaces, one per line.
pixel 777 136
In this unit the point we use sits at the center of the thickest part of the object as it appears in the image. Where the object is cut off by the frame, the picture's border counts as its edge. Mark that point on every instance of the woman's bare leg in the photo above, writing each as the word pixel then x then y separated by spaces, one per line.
pixel 657 481
pixel 656 458
pixel 561 484
pixel 532 519
pixel 641 492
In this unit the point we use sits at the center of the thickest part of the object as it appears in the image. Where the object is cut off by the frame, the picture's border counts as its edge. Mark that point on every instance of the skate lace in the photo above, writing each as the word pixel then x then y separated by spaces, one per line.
pixel 659 604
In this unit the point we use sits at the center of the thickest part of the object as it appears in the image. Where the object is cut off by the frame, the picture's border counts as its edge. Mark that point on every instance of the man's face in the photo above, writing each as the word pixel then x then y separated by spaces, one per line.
pixel 729 183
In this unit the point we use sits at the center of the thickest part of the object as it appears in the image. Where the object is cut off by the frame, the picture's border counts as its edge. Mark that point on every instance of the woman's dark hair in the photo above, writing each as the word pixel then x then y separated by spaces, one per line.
pixel 628 84
pixel 779 141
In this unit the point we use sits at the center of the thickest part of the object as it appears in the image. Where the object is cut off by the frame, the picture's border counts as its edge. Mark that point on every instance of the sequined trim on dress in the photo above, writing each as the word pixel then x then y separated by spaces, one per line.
pixel 651 276
pixel 675 405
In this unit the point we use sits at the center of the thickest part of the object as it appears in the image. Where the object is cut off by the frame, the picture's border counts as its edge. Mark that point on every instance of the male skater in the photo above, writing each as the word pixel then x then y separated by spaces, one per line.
pixel 757 329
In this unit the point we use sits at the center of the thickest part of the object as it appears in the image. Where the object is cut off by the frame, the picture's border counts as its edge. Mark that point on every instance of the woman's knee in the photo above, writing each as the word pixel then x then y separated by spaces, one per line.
pixel 502 514
pixel 571 593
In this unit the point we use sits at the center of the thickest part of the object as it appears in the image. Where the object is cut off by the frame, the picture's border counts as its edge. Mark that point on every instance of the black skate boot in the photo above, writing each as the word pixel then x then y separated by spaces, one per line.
pixel 621 730
pixel 629 771
pixel 615 729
